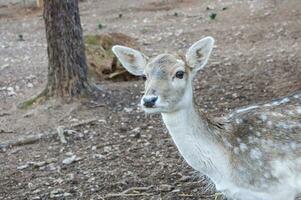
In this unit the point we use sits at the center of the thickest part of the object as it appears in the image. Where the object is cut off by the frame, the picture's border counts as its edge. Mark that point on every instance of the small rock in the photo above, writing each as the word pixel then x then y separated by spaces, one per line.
pixel 67 194
pixel 69 160
pixel 128 109
pixel 38 164
pixel 4 66
pixel 29 85
pixel 10 91
pixel 137 135
pixel 69 154
pixel 20 38
pixel 23 167
pixel 98 156
pixel 107 149
pixel 209 8
pixel 165 188
pixel 176 190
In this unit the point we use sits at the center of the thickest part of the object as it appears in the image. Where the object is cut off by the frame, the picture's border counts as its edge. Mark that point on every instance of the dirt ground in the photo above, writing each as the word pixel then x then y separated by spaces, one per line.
pixel 113 150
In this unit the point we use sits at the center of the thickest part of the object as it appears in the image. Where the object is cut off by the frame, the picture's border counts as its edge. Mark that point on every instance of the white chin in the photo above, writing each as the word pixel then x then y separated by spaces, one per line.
pixel 152 110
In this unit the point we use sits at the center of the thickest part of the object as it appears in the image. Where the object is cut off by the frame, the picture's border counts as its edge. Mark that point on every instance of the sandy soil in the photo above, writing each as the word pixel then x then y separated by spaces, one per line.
pixel 116 147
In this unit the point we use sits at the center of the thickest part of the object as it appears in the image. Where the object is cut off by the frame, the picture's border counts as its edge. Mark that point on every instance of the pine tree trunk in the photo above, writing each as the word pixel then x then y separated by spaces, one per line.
pixel 67 68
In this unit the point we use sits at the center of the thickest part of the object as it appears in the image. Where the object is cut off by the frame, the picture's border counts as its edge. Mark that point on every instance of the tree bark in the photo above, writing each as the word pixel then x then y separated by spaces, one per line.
pixel 67 68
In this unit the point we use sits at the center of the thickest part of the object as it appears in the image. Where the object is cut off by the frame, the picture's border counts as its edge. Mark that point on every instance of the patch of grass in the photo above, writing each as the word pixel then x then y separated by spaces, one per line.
pixel 212 15
pixel 91 39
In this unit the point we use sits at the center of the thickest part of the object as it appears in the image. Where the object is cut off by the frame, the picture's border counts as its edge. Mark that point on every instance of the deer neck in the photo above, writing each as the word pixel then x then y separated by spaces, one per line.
pixel 195 141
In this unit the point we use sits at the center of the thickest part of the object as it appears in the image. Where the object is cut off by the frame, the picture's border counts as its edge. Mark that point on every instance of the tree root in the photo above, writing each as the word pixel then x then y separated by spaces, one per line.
pixel 88 91
pixel 35 99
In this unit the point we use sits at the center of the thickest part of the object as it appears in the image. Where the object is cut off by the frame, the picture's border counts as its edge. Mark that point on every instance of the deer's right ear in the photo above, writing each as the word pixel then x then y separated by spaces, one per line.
pixel 131 59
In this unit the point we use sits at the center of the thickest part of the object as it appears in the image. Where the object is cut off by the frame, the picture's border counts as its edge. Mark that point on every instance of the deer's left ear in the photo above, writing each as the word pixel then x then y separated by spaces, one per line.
pixel 198 54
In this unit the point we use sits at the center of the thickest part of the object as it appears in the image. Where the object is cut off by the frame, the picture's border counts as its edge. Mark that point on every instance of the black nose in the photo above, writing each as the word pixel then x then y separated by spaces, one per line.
pixel 149 101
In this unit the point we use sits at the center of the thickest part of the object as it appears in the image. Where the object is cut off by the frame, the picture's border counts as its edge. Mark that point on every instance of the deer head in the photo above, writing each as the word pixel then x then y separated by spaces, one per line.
pixel 168 85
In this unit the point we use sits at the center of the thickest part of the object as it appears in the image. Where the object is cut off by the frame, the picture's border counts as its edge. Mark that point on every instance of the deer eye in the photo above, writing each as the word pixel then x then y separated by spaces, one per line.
pixel 144 78
pixel 180 74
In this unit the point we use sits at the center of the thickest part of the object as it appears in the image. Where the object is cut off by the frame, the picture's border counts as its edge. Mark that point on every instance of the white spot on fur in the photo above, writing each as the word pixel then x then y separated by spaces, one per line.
pixel 236 150
pixel 293 145
pixel 263 117
pixel 243 147
pixel 299 110
pixel 227 143
pixel 275 114
pixel 288 125
pixel 267 175
pixel 297 96
pixel 255 154
pixel 285 100
pixel 246 109
pixel 238 121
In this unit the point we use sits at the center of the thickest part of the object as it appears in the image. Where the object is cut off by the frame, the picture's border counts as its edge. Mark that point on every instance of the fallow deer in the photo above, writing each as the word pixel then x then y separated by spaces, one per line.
pixel 253 153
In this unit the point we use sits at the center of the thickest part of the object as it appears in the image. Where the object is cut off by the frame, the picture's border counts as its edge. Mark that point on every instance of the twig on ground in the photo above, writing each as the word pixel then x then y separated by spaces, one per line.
pixel 186 195
pixel 5 131
pixel 85 122
pixel 215 195
pixel 25 140
pixel 60 132
pixel 126 193
pixel 117 73
pixel 4 114
pixel 68 113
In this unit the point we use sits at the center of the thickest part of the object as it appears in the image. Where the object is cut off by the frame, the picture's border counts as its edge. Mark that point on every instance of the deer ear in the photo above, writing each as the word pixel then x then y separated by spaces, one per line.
pixel 131 59
pixel 198 54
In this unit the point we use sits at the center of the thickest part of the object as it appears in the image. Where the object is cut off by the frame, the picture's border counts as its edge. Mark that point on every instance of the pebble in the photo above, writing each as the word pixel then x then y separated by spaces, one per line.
pixel 29 85
pixel 165 188
pixel 21 167
pixel 128 109
pixel 10 91
pixel 69 160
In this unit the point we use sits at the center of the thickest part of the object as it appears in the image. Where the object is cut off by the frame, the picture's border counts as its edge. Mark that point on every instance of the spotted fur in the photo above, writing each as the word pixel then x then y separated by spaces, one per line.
pixel 253 153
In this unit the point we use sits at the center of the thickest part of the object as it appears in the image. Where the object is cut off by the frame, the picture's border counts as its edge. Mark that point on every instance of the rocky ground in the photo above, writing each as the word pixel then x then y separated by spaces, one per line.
pixel 112 149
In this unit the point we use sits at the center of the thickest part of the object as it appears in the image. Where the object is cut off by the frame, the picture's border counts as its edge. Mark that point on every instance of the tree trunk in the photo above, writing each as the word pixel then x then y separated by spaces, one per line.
pixel 67 68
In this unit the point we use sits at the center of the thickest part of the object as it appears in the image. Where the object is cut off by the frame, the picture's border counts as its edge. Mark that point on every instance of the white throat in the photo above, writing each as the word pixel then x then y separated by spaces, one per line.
pixel 195 143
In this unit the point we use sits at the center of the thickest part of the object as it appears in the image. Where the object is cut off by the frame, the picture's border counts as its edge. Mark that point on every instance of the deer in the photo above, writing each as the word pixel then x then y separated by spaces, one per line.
pixel 250 153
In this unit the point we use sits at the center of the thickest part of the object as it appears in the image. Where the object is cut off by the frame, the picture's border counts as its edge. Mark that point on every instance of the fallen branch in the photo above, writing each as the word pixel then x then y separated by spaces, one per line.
pixel 4 131
pixel 25 140
pixel 117 73
pixel 4 114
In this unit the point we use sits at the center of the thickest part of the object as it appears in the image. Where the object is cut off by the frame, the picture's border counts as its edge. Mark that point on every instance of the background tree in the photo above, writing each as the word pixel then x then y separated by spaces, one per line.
pixel 67 67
